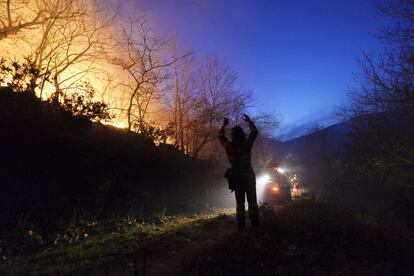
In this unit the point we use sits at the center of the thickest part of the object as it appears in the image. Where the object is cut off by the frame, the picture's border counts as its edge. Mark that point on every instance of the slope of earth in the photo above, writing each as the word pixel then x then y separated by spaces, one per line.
pixel 313 237
pixel 333 138
pixel 306 237
pixel 154 248
pixel 55 166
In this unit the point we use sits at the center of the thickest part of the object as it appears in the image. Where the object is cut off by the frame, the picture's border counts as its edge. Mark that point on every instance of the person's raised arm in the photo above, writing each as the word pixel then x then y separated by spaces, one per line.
pixel 222 132
pixel 253 130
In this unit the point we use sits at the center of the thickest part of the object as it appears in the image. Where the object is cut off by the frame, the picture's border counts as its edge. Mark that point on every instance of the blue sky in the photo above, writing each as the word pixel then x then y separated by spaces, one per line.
pixel 298 57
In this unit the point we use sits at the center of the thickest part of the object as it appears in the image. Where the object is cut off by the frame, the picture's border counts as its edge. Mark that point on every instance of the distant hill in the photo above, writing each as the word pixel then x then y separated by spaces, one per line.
pixel 331 139
pixel 310 156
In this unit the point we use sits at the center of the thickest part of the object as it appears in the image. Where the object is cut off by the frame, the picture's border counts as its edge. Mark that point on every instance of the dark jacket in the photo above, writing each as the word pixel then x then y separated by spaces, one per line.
pixel 239 156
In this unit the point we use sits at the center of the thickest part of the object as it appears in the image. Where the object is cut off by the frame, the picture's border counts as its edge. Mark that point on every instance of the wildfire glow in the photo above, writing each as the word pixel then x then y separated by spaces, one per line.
pixel 91 67
pixel 119 125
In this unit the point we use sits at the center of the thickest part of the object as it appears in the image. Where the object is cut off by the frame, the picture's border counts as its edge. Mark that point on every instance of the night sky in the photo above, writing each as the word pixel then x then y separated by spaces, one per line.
pixel 298 57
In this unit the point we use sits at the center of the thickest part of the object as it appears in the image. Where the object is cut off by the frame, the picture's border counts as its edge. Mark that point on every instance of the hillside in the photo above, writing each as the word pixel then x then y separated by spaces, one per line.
pixel 332 139
pixel 83 198
pixel 56 165
pixel 306 237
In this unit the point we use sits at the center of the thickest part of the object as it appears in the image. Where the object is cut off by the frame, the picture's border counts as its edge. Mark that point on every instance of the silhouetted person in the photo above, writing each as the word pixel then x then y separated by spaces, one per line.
pixel 241 176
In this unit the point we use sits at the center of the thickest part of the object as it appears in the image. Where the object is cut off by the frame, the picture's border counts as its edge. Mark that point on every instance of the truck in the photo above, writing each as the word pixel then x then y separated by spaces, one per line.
pixel 274 186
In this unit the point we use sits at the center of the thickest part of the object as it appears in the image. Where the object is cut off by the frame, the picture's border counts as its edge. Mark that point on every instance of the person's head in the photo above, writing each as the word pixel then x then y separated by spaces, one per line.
pixel 237 135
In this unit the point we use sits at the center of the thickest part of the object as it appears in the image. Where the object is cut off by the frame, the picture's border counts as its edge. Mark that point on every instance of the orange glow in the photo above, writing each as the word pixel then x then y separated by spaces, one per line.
pixel 275 189
pixel 101 74
pixel 119 125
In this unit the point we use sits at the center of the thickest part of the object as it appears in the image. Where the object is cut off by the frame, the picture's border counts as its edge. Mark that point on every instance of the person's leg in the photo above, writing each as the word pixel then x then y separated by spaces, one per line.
pixel 253 207
pixel 240 198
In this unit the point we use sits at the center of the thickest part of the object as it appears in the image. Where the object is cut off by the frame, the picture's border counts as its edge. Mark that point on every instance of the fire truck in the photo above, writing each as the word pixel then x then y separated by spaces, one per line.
pixel 274 186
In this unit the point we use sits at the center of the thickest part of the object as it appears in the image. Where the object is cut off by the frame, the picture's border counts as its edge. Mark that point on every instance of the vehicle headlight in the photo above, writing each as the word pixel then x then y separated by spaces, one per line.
pixel 263 179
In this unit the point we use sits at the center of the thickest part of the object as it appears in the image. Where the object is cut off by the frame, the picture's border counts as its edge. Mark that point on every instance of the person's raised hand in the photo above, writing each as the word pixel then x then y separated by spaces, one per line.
pixel 225 121
pixel 246 118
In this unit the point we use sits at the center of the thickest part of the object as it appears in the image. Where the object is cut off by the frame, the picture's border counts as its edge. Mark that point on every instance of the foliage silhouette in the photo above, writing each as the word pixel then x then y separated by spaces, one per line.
pixel 378 164
pixel 53 167
pixel 81 104
pixel 22 76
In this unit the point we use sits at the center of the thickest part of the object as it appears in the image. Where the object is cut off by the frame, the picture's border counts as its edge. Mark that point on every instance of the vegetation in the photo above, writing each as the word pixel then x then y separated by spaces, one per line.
pixel 152 85
pixel 308 236
pixel 59 165
pixel 314 237
pixel 123 244
pixel 377 167
pixel 82 104
pixel 374 168
pixel 78 196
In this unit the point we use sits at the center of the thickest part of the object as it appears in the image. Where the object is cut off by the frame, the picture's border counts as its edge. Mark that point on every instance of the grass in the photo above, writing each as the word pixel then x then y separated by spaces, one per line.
pixel 306 237
pixel 129 244
pixel 316 238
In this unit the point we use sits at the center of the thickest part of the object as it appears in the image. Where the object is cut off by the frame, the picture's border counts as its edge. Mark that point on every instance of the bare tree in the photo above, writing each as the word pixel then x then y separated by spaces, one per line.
pixel 142 58
pixel 387 80
pixel 71 41
pixel 217 97
pixel 381 149
pixel 215 87
pixel 183 101
pixel 18 15
pixel 203 92
pixel 384 101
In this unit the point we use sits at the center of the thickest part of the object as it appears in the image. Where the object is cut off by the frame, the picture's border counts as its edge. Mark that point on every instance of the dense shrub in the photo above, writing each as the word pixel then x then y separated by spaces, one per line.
pixel 52 167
